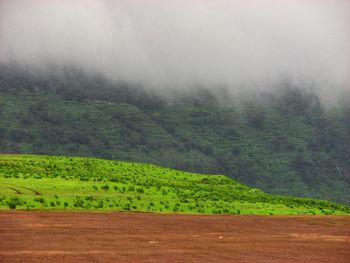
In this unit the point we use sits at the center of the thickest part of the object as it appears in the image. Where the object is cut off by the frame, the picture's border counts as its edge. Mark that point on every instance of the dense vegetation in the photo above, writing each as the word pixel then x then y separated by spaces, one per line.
pixel 43 182
pixel 284 143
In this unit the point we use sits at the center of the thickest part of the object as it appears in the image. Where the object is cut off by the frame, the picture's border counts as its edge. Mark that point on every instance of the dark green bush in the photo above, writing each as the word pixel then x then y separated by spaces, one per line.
pixel 105 187
pixel 13 202
pixel 39 199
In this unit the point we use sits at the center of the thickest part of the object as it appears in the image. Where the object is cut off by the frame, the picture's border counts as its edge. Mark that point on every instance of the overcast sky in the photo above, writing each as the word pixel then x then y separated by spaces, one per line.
pixel 180 44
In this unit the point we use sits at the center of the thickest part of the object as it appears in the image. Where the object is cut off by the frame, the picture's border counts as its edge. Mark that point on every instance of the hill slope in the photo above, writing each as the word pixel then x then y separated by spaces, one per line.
pixel 43 182
pixel 284 143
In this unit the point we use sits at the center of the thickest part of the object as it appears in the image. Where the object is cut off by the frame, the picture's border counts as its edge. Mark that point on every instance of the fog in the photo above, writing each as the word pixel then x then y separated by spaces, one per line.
pixel 239 45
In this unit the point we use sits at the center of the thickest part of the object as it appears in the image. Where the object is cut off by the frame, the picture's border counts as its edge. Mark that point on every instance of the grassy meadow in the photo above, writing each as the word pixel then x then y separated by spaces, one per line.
pixel 32 182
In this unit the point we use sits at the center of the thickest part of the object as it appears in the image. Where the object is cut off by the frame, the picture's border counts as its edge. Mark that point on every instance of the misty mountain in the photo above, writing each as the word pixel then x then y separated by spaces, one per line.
pixel 284 142
pixel 172 46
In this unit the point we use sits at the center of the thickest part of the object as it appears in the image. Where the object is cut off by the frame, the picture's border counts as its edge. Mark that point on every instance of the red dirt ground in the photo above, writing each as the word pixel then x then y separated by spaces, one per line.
pixel 138 237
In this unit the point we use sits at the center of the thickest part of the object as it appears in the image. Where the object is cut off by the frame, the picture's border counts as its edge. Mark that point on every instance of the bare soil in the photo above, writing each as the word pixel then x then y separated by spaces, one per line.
pixel 141 237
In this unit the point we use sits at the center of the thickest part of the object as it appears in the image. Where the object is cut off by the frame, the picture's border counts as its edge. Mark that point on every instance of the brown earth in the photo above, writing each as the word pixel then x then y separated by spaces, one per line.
pixel 140 237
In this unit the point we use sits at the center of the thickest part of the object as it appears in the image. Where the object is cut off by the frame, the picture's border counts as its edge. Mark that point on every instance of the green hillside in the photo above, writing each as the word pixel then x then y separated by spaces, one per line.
pixel 284 142
pixel 47 182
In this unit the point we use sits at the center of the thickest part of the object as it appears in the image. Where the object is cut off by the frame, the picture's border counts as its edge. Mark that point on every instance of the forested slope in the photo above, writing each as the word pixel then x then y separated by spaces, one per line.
pixel 285 142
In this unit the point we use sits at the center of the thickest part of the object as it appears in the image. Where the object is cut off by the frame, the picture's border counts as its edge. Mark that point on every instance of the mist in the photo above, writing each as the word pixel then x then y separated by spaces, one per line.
pixel 177 45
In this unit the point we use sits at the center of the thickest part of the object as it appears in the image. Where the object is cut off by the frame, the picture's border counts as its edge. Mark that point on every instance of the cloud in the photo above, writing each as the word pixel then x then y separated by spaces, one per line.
pixel 180 44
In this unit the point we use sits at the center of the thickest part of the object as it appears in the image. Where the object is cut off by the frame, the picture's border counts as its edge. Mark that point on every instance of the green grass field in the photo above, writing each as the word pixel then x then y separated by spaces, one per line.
pixel 73 183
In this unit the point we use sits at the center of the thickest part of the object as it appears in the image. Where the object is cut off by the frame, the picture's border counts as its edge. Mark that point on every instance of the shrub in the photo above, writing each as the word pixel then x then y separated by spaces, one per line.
pixel 84 178
pixel 126 206
pixel 78 202
pixel 14 202
pixel 140 190
pixel 39 199
pixel 99 204
pixel 105 187
pixel 11 205
pixel 89 198
pixel 114 179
